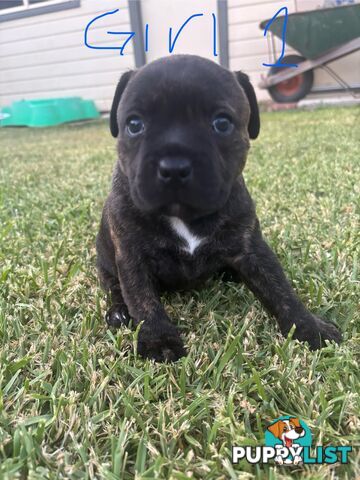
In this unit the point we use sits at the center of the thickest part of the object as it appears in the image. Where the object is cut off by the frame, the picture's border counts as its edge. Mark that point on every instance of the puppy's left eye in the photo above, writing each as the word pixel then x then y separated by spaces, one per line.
pixel 134 126
pixel 223 125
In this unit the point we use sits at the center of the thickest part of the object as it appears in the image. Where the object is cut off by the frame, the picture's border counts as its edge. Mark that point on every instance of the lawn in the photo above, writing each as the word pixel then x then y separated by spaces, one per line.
pixel 76 402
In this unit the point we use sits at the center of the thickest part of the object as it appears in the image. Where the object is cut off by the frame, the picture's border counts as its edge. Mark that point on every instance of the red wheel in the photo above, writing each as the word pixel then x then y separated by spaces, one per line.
pixel 295 88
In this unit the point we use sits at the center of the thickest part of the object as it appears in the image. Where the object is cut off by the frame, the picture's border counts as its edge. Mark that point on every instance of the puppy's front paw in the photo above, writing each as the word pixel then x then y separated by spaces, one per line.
pixel 161 343
pixel 117 316
pixel 315 331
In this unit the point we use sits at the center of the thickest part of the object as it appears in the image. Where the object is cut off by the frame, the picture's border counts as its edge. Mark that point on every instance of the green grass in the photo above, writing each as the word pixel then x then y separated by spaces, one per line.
pixel 75 401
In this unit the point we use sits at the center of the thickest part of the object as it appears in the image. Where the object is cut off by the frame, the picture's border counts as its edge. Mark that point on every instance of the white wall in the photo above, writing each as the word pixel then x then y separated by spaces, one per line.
pixel 196 37
pixel 45 56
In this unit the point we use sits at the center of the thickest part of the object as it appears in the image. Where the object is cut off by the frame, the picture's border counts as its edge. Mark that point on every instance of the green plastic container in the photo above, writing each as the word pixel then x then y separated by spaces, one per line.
pixel 47 112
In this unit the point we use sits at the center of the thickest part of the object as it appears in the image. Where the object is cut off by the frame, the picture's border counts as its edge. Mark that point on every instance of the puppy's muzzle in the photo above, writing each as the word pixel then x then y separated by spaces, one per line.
pixel 174 171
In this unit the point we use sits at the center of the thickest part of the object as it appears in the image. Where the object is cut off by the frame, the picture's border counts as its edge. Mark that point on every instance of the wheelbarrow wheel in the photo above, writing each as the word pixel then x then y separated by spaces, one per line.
pixel 295 88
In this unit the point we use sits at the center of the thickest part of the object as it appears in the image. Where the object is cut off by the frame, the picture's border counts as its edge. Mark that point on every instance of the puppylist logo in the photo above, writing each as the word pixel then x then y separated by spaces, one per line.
pixel 288 442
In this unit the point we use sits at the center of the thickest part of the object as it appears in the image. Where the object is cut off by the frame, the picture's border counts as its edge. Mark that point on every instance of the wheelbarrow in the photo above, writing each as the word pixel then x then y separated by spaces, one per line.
pixel 321 36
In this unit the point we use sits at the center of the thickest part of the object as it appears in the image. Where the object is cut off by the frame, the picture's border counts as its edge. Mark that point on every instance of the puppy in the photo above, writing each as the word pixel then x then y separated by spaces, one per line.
pixel 179 210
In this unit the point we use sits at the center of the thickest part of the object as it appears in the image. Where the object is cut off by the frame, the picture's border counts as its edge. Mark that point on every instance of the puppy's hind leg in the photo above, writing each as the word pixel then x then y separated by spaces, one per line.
pixel 117 315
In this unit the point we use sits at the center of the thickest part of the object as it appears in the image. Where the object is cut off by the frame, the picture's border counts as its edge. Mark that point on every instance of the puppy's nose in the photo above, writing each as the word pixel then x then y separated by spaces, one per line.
pixel 174 169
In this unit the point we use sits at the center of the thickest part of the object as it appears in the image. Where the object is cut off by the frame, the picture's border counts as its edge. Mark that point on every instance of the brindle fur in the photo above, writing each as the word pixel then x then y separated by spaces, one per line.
pixel 139 255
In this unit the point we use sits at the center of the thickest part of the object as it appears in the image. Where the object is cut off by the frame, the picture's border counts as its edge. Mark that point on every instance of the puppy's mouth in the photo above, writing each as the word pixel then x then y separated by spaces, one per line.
pixel 176 207
pixel 288 442
pixel 179 210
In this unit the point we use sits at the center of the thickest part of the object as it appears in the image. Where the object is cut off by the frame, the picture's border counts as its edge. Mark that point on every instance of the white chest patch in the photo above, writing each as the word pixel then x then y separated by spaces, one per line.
pixel 181 229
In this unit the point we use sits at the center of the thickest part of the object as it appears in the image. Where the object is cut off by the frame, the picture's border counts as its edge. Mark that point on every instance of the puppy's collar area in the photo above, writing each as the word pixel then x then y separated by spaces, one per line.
pixel 181 229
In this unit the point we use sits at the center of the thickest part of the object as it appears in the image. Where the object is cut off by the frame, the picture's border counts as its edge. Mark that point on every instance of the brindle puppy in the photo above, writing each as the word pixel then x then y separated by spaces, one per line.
pixel 179 210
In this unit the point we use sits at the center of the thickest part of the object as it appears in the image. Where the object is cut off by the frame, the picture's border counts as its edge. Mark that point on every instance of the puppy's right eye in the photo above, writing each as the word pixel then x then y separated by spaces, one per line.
pixel 222 124
pixel 134 126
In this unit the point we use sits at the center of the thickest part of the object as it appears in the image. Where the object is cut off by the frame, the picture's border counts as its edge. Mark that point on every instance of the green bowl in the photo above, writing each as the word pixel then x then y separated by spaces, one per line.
pixel 47 112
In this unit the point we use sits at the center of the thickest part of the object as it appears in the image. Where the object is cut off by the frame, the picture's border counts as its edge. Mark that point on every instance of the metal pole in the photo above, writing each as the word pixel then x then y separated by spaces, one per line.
pixel 137 27
pixel 223 23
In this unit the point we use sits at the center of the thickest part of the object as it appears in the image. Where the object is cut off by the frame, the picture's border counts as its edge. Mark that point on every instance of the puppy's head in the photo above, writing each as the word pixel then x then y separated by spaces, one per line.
pixel 290 429
pixel 183 125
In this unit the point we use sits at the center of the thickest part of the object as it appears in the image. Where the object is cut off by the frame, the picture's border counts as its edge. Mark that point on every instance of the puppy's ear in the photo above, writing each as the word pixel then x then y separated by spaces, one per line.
pixel 125 77
pixel 276 428
pixel 254 122
pixel 295 421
